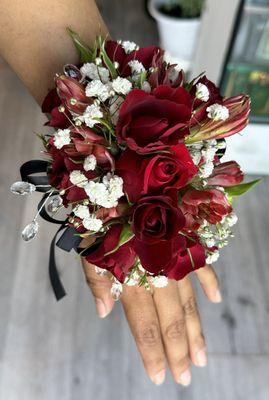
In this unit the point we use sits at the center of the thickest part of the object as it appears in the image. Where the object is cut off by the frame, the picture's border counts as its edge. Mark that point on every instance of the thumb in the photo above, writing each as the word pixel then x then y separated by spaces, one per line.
pixel 100 287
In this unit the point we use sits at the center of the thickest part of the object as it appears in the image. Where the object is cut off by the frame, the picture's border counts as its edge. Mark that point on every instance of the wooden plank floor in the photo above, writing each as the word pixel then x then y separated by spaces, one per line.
pixel 52 351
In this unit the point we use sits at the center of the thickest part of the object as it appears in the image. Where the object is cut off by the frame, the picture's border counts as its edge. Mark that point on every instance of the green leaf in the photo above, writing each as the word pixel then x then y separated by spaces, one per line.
pixel 85 53
pixel 142 78
pixel 125 236
pixel 237 190
pixel 106 59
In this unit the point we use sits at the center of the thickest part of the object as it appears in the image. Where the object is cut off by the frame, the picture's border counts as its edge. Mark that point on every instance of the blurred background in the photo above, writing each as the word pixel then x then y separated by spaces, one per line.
pixel 51 350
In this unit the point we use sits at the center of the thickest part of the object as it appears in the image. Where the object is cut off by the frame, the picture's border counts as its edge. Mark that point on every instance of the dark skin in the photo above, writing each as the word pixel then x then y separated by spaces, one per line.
pixel 165 322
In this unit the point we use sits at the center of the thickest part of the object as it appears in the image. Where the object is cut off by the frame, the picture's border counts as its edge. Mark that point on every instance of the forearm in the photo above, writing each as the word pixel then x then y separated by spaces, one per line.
pixel 33 37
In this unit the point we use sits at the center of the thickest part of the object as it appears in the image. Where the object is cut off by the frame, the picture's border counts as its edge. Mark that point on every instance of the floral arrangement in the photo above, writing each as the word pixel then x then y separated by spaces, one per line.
pixel 135 158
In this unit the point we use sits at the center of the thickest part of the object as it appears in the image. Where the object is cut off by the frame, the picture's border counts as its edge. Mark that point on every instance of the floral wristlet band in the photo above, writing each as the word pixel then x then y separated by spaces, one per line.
pixel 135 160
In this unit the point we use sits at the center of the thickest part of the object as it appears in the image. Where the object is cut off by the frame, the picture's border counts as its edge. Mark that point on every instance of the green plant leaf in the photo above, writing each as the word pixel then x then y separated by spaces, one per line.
pixel 125 236
pixel 237 190
pixel 85 53
pixel 106 59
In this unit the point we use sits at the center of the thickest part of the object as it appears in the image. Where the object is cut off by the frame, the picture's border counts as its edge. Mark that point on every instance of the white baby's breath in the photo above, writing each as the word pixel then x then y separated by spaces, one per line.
pixel 78 179
pixel 217 112
pixel 90 163
pixel 202 92
pixel 92 71
pixel 159 281
pixel 136 66
pixel 98 89
pixel 121 85
pixel 91 114
pixel 129 46
pixel 212 257
pixel 81 211
pixel 62 138
pixel 92 223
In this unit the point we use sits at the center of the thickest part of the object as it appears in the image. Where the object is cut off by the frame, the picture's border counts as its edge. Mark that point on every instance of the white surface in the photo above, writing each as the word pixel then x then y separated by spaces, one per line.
pixel 178 36
pixel 250 149
pixel 214 37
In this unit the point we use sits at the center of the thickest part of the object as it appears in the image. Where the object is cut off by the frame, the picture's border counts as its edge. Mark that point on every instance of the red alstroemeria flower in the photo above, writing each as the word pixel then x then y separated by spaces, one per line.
pixel 72 94
pixel 205 128
pixel 226 174
pixel 209 204
pixel 50 106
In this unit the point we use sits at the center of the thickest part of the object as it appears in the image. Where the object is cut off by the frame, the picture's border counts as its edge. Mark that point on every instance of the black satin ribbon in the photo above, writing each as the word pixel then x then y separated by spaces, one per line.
pixel 220 152
pixel 30 168
pixel 55 280
pixel 68 240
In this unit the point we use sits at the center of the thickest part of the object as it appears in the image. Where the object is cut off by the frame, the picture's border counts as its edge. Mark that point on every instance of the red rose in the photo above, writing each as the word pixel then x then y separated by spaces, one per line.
pixel 156 218
pixel 226 174
pixel 156 222
pixel 118 262
pixel 187 259
pixel 209 204
pixel 150 122
pixel 156 174
pixel 173 258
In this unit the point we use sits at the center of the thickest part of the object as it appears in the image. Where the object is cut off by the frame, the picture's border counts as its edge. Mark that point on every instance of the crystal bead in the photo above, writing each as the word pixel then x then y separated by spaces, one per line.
pixel 100 271
pixel 116 290
pixel 22 188
pixel 54 204
pixel 30 231
pixel 72 71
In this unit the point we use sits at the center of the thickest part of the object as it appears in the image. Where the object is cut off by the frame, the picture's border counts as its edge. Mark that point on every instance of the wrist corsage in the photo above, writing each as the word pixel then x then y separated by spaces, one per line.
pixel 135 161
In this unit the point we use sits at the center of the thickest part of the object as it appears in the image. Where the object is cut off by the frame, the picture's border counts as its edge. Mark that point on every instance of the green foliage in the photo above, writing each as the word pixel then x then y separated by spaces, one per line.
pixel 183 8
pixel 238 190
pixel 85 53
pixel 125 236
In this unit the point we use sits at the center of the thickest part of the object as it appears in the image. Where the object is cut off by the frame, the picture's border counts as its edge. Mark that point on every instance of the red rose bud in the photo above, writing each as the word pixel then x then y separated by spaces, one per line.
pixel 72 94
pixel 210 128
pixel 226 174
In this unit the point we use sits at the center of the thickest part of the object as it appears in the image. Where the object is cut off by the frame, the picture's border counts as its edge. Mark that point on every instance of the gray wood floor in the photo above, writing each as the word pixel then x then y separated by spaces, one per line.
pixel 51 351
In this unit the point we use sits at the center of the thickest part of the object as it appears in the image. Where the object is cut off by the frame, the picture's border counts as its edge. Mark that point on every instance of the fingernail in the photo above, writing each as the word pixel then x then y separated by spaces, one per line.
pixel 201 358
pixel 217 297
pixel 101 308
pixel 185 378
pixel 159 378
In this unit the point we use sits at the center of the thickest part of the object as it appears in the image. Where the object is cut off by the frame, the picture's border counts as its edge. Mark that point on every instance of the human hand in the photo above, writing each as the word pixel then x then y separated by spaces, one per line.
pixel 165 321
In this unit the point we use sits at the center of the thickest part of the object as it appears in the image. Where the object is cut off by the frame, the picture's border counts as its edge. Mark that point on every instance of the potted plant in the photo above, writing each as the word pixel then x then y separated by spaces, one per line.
pixel 178 23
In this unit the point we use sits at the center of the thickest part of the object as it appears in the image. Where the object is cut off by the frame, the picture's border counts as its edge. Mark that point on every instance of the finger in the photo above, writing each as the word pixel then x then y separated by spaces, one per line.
pixel 142 318
pixel 196 341
pixel 172 323
pixel 100 287
pixel 209 282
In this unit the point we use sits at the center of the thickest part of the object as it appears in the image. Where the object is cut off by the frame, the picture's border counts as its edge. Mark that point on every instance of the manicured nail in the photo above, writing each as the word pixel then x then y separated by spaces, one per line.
pixel 217 297
pixel 201 358
pixel 101 308
pixel 159 378
pixel 185 378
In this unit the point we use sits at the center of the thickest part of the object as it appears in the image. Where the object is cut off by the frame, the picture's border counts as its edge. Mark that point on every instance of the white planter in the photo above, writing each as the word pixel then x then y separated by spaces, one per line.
pixel 178 36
